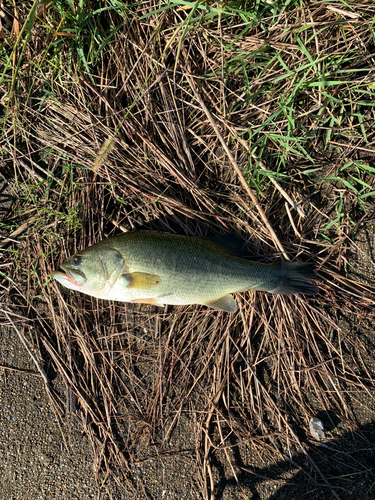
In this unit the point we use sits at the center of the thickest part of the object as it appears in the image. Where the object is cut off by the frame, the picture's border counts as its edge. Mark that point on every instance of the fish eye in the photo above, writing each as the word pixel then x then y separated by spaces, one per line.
pixel 76 260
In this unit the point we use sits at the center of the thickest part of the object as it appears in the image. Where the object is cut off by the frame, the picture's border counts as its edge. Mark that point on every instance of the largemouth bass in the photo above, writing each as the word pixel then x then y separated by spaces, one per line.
pixel 161 268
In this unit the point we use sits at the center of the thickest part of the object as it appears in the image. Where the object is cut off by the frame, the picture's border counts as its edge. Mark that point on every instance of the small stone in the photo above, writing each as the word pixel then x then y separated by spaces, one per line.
pixel 317 429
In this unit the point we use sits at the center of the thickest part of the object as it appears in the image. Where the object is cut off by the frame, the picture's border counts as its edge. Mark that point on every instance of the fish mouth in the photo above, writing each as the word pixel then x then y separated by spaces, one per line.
pixel 66 278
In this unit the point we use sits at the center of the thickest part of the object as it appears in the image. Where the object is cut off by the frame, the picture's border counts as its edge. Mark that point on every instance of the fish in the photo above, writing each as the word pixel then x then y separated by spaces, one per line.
pixel 158 268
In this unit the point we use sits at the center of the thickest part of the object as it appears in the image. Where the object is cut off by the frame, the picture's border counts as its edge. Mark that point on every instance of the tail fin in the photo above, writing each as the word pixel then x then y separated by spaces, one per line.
pixel 296 277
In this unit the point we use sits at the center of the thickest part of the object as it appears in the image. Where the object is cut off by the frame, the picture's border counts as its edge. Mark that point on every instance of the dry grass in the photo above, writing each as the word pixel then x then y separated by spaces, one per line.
pixel 211 126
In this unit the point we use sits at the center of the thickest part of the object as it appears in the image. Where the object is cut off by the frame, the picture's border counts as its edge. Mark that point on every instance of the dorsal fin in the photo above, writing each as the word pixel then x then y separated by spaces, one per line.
pixel 231 242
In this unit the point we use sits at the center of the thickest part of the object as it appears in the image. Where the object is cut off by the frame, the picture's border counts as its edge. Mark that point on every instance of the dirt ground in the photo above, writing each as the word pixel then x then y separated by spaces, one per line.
pixel 39 460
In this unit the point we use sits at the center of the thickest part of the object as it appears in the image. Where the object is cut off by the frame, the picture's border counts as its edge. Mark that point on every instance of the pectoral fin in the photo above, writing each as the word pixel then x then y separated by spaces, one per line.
pixel 226 303
pixel 143 281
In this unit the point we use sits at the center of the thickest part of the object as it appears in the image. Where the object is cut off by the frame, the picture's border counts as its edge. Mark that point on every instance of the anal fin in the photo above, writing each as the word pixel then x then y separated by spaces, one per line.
pixel 226 303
